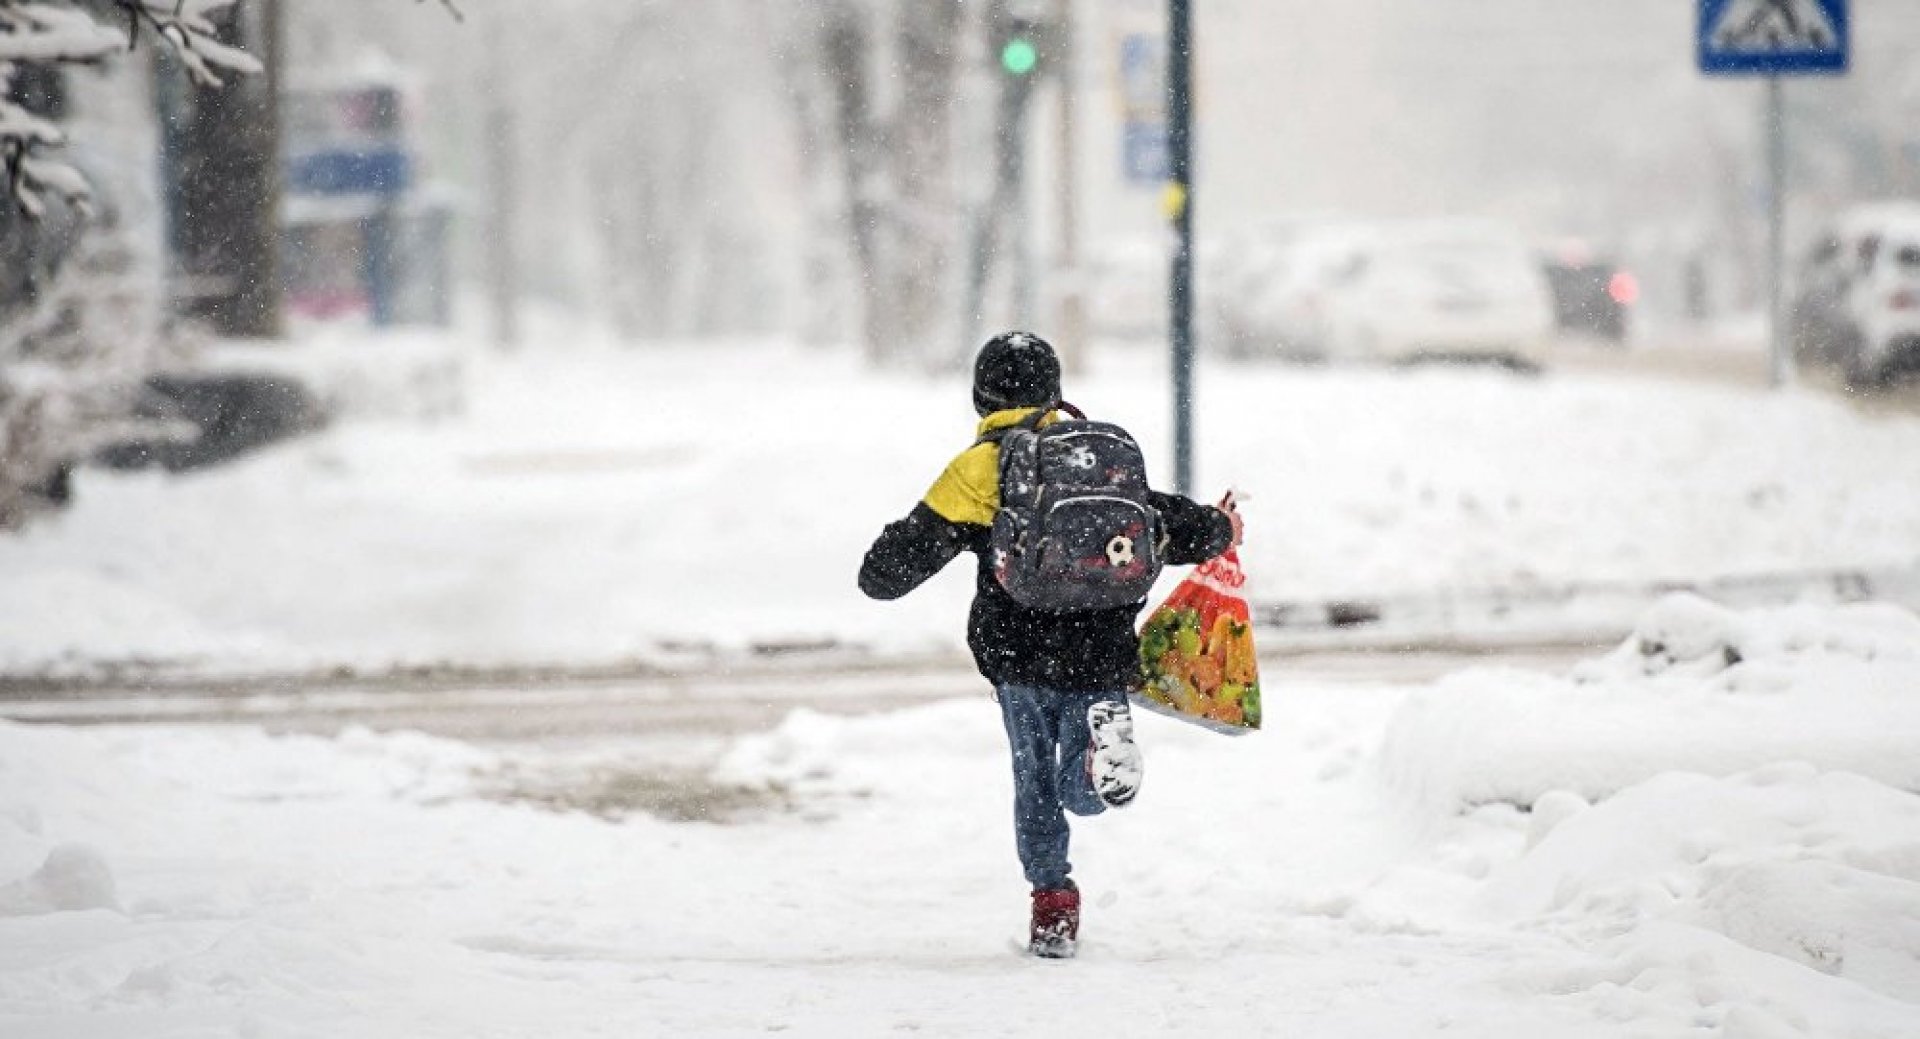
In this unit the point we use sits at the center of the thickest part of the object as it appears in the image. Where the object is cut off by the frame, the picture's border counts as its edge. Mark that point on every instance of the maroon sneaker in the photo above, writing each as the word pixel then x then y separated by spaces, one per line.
pixel 1056 922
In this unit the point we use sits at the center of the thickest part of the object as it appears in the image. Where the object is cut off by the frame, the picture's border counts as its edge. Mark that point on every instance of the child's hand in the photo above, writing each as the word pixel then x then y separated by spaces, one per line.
pixel 1230 507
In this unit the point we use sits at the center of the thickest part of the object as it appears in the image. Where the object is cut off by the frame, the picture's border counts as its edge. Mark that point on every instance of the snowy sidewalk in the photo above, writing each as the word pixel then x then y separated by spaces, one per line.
pixel 1328 877
pixel 308 887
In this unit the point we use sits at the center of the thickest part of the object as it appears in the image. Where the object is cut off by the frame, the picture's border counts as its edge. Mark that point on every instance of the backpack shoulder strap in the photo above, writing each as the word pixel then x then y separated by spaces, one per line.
pixel 1030 423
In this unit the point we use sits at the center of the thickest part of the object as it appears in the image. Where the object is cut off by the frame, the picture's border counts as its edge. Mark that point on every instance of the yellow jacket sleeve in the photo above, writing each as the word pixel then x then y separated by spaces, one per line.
pixel 969 490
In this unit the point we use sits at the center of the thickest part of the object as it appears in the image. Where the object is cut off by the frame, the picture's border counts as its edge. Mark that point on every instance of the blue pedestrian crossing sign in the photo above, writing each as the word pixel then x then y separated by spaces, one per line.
pixel 1772 36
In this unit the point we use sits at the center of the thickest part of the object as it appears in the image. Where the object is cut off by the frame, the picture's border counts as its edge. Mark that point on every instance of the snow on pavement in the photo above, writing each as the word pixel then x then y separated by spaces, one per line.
pixel 594 503
pixel 1302 881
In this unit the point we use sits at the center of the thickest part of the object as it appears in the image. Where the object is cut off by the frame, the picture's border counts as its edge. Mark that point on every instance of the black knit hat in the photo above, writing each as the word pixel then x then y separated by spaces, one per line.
pixel 1015 370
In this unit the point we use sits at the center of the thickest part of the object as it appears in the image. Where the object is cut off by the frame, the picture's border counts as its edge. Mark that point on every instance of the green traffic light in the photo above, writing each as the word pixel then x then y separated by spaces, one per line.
pixel 1019 56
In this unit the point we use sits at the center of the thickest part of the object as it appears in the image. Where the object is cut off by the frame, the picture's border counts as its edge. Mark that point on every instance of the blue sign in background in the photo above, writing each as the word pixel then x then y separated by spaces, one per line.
pixel 1143 74
pixel 374 171
pixel 1144 156
pixel 1772 36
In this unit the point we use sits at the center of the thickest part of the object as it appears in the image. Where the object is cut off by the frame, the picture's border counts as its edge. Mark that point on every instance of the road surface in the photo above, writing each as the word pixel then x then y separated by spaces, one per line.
pixel 1740 368
pixel 647 743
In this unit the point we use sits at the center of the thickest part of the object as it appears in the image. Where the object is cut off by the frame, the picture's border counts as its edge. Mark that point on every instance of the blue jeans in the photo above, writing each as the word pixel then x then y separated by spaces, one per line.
pixel 1047 731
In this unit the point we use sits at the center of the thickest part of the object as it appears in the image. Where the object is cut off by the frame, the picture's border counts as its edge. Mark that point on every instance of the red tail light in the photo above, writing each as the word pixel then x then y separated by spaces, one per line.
pixel 1624 288
pixel 1905 299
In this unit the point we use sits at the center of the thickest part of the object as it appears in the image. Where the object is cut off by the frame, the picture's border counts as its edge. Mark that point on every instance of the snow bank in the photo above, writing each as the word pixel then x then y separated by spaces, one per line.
pixel 73 877
pixel 396 375
pixel 817 754
pixel 1819 870
pixel 1650 847
pixel 70 800
pixel 1838 920
pixel 1697 688
pixel 1722 811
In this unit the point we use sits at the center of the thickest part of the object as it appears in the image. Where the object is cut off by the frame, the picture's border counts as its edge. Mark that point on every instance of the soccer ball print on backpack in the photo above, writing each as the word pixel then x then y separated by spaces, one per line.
pixel 1075 529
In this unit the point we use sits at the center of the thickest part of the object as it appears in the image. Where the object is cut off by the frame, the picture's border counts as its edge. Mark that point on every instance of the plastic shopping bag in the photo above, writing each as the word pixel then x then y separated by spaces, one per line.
pixel 1196 652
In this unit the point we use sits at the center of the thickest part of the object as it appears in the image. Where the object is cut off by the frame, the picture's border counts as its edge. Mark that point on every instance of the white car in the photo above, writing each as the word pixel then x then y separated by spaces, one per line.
pixel 1247 275
pixel 1859 301
pixel 1413 291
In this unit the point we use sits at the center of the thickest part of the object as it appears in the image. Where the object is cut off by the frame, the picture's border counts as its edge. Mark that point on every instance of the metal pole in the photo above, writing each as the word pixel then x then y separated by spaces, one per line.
pixel 1067 260
pixel 1778 348
pixel 1179 199
pixel 1020 209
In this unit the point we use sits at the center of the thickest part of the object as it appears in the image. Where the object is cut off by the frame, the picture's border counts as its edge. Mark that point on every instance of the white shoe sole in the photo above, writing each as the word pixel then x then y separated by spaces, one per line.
pixel 1114 763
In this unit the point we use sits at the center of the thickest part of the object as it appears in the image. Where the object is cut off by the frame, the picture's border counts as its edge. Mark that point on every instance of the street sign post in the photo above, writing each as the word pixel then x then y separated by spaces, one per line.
pixel 1773 38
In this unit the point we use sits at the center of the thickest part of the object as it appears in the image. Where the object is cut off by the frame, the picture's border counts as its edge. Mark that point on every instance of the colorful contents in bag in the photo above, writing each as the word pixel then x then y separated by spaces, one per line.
pixel 1196 649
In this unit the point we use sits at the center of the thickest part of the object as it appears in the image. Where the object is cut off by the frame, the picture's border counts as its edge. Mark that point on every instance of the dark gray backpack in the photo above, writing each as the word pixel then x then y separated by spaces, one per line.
pixel 1075 530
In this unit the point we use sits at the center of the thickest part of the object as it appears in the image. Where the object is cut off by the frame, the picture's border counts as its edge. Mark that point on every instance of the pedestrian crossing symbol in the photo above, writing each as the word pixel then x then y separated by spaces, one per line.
pixel 1772 36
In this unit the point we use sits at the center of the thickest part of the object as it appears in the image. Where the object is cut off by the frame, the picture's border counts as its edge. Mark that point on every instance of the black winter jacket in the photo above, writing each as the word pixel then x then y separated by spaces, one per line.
pixel 1090 650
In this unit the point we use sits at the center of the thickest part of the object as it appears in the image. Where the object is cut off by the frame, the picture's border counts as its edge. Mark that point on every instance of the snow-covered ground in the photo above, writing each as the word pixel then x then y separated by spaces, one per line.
pixel 1383 861
pixel 594 503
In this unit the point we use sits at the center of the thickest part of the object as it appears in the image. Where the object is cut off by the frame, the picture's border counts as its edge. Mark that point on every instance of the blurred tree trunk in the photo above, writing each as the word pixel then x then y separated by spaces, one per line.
pixel 657 237
pixel 228 232
pixel 847 52
pixel 897 168
pixel 685 270
pixel 821 318
pixel 504 283
pixel 659 170
pixel 924 233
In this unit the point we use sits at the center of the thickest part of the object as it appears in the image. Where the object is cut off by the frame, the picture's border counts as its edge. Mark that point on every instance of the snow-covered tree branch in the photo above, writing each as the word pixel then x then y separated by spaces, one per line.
pixel 77 333
pixel 78 32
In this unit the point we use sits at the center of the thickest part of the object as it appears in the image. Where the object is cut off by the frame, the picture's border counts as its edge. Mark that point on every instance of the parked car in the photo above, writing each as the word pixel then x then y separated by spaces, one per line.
pixel 1244 280
pixel 1857 303
pixel 1409 291
pixel 1592 295
pixel 204 418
